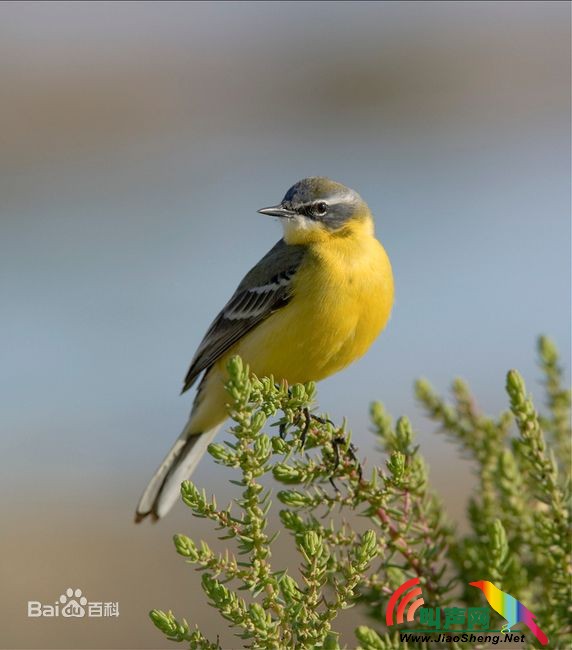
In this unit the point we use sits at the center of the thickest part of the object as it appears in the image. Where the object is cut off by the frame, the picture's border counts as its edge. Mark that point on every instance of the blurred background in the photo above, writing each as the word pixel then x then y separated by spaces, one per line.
pixel 137 141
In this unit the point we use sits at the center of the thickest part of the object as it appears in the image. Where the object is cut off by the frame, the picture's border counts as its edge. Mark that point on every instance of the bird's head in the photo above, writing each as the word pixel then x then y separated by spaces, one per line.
pixel 316 208
pixel 480 584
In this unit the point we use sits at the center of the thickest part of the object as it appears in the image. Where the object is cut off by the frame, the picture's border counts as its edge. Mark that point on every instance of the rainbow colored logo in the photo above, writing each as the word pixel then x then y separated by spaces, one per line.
pixel 509 608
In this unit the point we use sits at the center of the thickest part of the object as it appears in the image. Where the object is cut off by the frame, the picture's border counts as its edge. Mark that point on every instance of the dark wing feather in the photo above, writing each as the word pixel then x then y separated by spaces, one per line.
pixel 265 288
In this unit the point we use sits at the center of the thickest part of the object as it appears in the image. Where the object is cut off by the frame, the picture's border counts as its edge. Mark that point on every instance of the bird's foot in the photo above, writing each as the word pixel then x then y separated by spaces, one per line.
pixel 308 418
pixel 336 442
pixel 350 453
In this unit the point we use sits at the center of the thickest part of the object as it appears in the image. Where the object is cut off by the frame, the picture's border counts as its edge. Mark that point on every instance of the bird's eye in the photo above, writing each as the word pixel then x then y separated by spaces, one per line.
pixel 320 208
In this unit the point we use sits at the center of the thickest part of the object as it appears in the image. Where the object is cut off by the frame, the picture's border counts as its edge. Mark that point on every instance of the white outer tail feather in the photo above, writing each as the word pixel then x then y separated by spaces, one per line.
pixel 164 488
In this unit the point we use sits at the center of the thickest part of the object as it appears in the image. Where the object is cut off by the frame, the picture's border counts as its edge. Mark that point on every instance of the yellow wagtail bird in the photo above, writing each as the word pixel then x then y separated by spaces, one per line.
pixel 312 305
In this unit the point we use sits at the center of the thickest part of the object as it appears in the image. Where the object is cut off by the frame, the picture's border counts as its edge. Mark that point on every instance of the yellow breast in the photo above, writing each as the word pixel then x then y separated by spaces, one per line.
pixel 342 299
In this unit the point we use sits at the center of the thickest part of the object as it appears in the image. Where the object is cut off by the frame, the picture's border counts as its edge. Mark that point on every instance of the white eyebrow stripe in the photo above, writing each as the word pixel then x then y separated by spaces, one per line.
pixel 333 199
pixel 342 198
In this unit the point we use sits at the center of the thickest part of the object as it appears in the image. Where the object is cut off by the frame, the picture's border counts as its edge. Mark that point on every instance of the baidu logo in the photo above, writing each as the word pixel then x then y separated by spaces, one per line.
pixel 72 604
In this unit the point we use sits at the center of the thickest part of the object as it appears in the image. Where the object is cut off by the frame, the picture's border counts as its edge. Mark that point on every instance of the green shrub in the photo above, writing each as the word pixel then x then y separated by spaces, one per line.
pixel 518 515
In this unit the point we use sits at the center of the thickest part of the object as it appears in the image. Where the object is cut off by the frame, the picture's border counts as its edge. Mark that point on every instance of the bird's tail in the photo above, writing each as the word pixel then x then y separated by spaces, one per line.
pixel 164 488
pixel 538 633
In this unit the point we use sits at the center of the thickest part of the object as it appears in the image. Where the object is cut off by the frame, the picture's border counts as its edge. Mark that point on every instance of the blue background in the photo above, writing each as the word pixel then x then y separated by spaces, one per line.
pixel 137 142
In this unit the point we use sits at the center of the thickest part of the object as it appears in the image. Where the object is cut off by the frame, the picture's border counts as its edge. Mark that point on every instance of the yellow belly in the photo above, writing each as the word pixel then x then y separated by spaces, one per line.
pixel 342 299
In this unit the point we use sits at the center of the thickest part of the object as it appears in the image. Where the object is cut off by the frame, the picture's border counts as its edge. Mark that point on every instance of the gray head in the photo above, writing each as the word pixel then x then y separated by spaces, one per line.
pixel 318 203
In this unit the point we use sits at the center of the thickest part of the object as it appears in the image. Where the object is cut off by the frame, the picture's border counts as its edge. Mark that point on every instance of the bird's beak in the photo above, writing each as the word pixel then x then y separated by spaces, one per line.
pixel 475 584
pixel 277 211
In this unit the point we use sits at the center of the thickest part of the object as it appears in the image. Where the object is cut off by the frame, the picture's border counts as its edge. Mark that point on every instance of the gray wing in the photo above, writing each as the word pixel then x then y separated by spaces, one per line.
pixel 266 288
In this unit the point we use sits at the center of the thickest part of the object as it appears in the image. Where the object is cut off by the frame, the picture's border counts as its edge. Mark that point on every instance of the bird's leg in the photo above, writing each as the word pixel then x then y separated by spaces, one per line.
pixel 350 453
pixel 336 442
pixel 298 422
pixel 308 421
pixel 319 419
pixel 284 425
pixel 308 417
